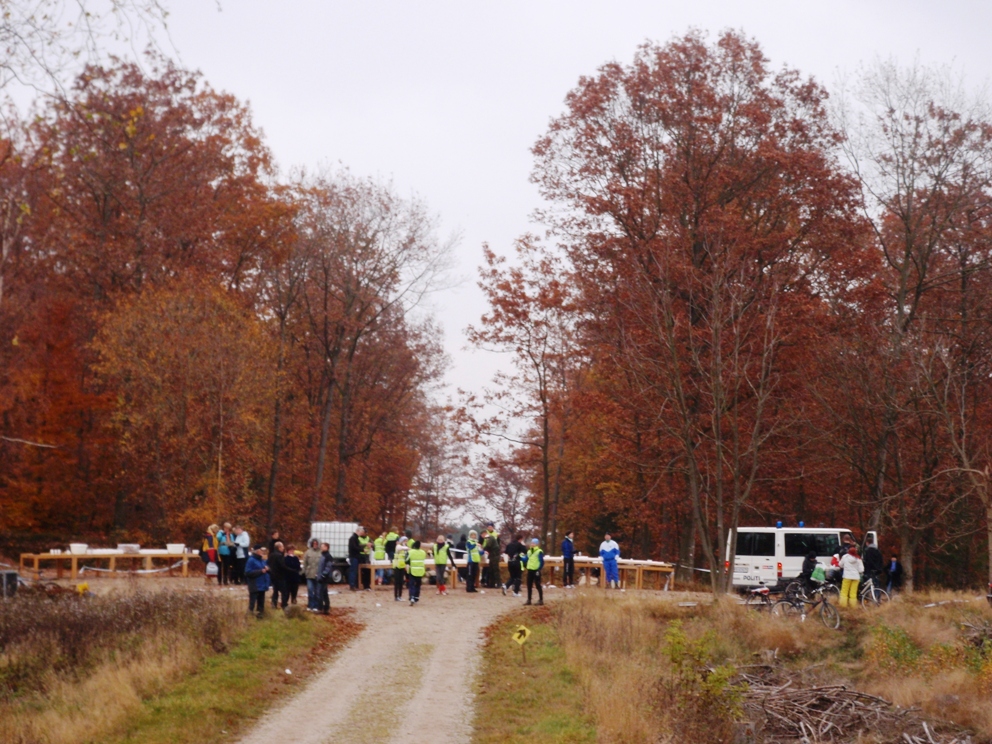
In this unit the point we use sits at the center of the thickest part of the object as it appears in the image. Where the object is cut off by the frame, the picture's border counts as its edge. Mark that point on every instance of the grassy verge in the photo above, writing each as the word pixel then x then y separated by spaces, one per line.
pixel 159 666
pixel 231 691
pixel 541 700
pixel 639 668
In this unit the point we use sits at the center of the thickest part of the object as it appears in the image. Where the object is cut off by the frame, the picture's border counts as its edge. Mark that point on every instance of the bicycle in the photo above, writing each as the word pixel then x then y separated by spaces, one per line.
pixel 760 598
pixel 819 603
pixel 797 588
pixel 870 594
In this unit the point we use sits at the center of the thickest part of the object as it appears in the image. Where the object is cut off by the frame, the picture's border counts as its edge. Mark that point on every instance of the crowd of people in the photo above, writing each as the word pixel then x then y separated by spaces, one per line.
pixel 395 558
pixel 850 568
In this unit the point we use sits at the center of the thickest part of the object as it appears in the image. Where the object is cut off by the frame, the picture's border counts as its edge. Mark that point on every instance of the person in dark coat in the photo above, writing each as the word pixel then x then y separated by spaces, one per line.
pixel 513 550
pixel 278 571
pixel 325 572
pixel 294 570
pixel 356 550
pixel 273 539
pixel 568 560
pixel 460 553
pixel 490 544
pixel 874 563
pixel 895 574
pixel 257 579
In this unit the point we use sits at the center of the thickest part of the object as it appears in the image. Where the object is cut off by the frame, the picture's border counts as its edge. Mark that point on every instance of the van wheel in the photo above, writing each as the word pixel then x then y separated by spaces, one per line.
pixel 336 576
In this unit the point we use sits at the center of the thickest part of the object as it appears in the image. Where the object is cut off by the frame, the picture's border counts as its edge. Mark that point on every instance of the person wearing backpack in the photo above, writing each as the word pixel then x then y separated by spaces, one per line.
pixel 325 574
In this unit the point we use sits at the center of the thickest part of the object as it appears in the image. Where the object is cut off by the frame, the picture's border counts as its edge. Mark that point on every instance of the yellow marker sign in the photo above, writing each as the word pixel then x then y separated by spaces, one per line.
pixel 521 634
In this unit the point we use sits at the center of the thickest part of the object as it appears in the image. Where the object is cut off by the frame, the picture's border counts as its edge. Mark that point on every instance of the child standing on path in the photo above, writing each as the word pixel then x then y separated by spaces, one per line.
pixel 533 561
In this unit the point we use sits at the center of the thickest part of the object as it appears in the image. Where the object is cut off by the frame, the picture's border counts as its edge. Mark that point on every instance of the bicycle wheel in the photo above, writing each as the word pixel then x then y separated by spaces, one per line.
pixel 757 601
pixel 794 590
pixel 791 610
pixel 831 592
pixel 868 596
pixel 829 615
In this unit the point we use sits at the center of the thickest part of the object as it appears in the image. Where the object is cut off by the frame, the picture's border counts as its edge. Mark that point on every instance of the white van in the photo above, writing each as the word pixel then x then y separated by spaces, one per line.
pixel 773 555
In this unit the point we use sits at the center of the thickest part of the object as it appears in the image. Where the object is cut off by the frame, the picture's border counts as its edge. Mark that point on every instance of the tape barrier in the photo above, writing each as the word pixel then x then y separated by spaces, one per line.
pixel 177 564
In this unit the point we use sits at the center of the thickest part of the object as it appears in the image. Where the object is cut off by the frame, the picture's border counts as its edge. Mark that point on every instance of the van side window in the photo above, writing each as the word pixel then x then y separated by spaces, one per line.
pixel 755 543
pixel 744 543
pixel 827 544
pixel 798 545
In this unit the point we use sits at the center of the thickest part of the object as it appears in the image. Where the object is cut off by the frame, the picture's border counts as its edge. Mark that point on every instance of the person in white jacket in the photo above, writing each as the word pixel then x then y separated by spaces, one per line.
pixel 851 569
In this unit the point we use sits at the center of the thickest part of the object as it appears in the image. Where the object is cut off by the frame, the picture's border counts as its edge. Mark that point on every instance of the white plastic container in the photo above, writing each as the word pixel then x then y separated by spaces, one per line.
pixel 175 548
pixel 335 534
pixel 78 548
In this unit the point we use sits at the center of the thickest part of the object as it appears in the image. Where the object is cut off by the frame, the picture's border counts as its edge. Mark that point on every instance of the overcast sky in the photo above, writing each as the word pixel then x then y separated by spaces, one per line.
pixel 445 98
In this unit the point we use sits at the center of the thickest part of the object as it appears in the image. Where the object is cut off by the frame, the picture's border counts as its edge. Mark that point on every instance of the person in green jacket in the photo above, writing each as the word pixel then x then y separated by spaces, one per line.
pixel 533 561
pixel 417 568
pixel 442 554
pixel 473 556
pixel 379 554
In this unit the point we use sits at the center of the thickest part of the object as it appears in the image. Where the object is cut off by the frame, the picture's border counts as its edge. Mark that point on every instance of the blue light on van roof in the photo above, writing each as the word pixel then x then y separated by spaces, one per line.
pixel 802 524
pixel 778 524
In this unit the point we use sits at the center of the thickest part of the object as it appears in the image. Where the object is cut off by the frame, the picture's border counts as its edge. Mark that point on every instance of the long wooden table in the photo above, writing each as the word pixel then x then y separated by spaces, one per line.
pixel 584 566
pixel 75 559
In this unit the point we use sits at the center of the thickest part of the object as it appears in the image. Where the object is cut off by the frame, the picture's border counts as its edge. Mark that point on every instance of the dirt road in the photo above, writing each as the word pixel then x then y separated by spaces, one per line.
pixel 409 674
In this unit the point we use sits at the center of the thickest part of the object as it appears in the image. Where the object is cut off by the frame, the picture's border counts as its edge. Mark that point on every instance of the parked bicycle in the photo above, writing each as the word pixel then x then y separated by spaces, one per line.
pixel 871 594
pixel 761 598
pixel 802 605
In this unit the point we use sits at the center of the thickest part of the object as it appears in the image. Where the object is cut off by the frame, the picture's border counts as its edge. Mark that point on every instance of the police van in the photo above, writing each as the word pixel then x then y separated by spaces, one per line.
pixel 774 555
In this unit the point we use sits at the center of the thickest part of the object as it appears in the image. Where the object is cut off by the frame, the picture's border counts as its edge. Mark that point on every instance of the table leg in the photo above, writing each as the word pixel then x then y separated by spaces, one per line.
pixel 148 563
pixel 58 568
pixel 75 567
pixel 185 565
pixel 37 571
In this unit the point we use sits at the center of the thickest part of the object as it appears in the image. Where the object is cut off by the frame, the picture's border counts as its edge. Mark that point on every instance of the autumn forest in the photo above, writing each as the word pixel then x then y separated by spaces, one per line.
pixel 745 300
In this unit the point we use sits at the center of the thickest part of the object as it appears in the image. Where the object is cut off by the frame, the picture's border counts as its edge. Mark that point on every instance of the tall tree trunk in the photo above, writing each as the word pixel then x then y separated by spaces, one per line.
pixel 344 427
pixel 325 430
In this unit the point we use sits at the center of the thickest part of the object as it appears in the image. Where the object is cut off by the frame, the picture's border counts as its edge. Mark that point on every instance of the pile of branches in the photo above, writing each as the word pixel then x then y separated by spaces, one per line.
pixel 786 710
pixel 977 633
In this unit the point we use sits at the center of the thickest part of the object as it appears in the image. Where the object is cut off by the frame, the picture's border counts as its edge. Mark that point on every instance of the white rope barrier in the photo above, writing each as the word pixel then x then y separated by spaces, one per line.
pixel 177 564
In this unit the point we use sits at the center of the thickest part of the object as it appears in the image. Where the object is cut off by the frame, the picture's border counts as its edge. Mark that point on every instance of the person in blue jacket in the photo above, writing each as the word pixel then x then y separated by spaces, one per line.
pixel 257 577
pixel 568 559
pixel 609 551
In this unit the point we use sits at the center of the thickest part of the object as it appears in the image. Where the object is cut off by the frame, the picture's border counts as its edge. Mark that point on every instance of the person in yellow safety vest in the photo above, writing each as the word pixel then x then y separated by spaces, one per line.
pixel 533 561
pixel 473 555
pixel 417 560
pixel 442 554
pixel 366 550
pixel 379 554
pixel 399 569
pixel 391 537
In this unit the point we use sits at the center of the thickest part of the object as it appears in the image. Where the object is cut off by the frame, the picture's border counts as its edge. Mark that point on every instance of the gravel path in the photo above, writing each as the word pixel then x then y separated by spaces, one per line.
pixel 408 674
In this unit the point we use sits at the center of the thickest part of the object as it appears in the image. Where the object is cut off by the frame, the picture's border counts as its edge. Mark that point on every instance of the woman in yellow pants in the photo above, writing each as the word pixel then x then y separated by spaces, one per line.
pixel 852 568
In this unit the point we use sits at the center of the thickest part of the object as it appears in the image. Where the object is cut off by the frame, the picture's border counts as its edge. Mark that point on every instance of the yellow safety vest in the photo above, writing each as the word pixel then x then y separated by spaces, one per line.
pixel 380 548
pixel 364 543
pixel 418 559
pixel 399 560
pixel 473 551
pixel 440 554
pixel 534 559
pixel 392 537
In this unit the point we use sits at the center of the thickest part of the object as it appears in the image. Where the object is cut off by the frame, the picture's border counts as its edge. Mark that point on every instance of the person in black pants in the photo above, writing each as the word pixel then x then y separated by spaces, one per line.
pixel 533 561
pixel 568 560
pixel 277 570
pixel 513 551
pixel 874 563
pixel 293 572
